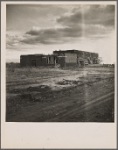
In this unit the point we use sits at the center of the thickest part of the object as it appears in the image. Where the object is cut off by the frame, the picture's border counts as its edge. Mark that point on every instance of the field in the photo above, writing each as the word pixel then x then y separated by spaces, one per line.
pixel 59 95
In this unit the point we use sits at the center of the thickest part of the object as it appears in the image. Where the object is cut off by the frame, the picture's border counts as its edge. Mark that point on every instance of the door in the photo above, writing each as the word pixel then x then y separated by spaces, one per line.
pixel 34 63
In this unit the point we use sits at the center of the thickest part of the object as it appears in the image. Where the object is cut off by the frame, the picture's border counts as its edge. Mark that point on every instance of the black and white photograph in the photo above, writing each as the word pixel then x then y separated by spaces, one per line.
pixel 60 61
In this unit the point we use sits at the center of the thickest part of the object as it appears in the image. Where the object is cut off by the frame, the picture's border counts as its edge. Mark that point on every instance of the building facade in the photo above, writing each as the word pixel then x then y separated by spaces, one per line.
pixel 77 57
pixel 37 60
pixel 62 58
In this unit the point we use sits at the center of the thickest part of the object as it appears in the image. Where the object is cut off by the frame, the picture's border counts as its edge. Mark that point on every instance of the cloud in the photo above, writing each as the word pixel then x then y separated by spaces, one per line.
pixel 101 14
pixel 89 21
pixel 71 20
pixel 23 17
pixel 95 20
pixel 52 36
pixel 90 14
pixel 12 40
pixel 86 20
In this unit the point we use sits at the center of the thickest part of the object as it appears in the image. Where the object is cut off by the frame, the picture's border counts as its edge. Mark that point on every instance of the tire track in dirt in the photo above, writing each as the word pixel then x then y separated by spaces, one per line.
pixel 84 107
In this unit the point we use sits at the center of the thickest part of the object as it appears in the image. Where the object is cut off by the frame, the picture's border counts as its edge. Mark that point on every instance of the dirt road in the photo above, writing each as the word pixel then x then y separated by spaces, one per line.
pixel 90 99
pixel 85 109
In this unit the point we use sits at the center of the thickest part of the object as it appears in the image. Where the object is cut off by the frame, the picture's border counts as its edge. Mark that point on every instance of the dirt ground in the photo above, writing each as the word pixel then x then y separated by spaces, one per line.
pixel 60 95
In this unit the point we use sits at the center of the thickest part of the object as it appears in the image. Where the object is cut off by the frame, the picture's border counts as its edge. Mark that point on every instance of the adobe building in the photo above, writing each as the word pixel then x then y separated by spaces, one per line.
pixel 62 57
pixel 37 60
pixel 76 57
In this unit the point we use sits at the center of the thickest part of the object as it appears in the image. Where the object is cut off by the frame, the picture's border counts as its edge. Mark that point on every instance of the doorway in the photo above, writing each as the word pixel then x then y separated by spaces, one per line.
pixel 34 63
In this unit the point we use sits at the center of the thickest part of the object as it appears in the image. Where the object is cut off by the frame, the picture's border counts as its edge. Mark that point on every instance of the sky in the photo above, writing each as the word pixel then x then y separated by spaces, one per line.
pixel 43 28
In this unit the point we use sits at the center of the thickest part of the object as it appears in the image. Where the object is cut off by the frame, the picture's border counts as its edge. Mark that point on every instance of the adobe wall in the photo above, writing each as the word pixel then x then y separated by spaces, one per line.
pixel 71 58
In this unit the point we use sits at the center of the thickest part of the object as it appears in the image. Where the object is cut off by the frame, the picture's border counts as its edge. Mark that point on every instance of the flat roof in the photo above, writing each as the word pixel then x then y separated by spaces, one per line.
pixel 59 51
pixel 73 51
pixel 38 55
pixel 33 55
